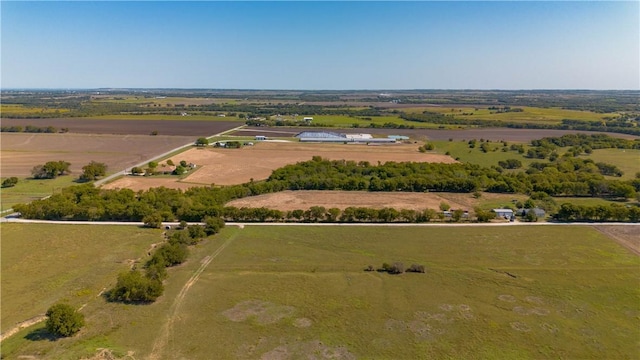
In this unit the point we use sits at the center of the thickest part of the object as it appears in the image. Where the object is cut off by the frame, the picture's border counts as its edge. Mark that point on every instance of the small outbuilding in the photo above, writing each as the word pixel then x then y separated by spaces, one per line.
pixel 261 137
pixel 503 213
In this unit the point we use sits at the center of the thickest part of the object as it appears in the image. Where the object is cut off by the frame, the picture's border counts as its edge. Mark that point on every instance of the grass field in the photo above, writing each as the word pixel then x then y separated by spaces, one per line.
pixel 27 190
pixel 529 114
pixel 627 160
pixel 460 150
pixel 284 292
pixel 15 109
pixel 42 264
pixel 348 121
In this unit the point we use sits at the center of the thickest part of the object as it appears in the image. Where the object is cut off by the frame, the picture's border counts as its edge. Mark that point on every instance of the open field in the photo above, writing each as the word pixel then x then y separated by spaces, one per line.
pixel 131 126
pixel 627 160
pixel 236 166
pixel 20 152
pixel 493 134
pixel 529 114
pixel 43 264
pixel 17 109
pixel 293 200
pixel 287 292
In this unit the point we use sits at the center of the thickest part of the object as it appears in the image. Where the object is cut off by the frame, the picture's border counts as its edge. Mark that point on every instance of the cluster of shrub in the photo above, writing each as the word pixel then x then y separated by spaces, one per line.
pixel 9 182
pixel 135 286
pixel 152 167
pixel 597 213
pixel 32 129
pixel 350 214
pixel 397 268
pixel 53 169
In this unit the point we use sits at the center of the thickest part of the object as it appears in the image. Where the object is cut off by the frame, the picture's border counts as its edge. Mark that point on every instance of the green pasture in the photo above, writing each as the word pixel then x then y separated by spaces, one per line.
pixel 16 109
pixel 529 114
pixel 627 160
pixel 43 263
pixel 28 189
pixel 460 150
pixel 345 121
pixel 488 293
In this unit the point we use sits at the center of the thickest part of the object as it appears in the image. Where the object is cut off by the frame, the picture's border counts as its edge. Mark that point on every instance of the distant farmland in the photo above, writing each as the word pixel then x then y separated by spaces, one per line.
pixel 131 126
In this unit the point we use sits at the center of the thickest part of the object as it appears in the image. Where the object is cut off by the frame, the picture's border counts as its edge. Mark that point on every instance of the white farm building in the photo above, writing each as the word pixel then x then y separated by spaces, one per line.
pixel 332 137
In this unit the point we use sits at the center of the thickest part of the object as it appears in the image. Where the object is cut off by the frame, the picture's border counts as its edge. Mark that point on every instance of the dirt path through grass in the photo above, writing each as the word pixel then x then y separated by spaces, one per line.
pixel 23 325
pixel 162 341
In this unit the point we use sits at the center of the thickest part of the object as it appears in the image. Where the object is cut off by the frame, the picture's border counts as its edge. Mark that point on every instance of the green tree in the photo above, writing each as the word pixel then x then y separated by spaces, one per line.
pixel 64 320
pixel 133 287
pixel 153 220
pixel 170 162
pixel 50 170
pixel 444 206
pixel 203 141
pixel 93 170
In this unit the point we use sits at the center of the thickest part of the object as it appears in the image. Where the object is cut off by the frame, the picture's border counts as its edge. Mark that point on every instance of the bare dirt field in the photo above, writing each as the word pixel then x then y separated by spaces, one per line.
pixel 293 200
pixel 22 151
pixel 236 166
pixel 136 183
pixel 627 236
pixel 195 128
pixel 493 134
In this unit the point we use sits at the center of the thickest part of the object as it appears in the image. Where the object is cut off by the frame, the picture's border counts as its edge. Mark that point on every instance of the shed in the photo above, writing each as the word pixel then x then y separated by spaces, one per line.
pixel 261 137
pixel 503 213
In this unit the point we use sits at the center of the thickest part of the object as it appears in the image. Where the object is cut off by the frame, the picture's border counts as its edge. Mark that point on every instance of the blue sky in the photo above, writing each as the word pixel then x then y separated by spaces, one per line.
pixel 321 45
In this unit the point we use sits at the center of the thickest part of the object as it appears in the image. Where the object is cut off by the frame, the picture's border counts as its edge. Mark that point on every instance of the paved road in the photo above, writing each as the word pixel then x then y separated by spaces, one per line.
pixel 243 224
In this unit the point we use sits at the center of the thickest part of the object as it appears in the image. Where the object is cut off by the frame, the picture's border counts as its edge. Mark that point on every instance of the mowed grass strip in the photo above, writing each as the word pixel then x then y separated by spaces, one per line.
pixel 509 292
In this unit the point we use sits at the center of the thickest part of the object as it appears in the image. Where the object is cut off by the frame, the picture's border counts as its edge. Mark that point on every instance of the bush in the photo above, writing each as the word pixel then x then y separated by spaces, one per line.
pixel 133 287
pixel 396 268
pixel 64 320
pixel 10 182
pixel 152 221
pixel 416 268
pixel 172 254
pixel 369 268
pixel 212 225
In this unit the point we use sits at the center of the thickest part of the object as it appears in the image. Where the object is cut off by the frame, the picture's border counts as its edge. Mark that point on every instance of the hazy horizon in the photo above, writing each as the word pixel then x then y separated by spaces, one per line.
pixel 314 46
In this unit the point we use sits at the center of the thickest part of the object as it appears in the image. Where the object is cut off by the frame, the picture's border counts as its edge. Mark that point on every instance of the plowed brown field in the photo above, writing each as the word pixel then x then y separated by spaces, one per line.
pixel 293 200
pixel 22 151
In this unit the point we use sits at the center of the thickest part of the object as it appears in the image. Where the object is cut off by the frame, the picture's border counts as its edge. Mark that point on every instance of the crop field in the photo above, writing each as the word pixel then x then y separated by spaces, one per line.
pixel 236 166
pixel 131 125
pixel 293 200
pixel 529 114
pixel 286 292
pixel 22 151
pixel 460 150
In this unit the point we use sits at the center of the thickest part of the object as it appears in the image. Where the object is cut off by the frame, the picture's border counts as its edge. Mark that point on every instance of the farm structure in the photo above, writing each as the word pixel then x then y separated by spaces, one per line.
pixel 537 211
pixel 332 137
pixel 503 213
